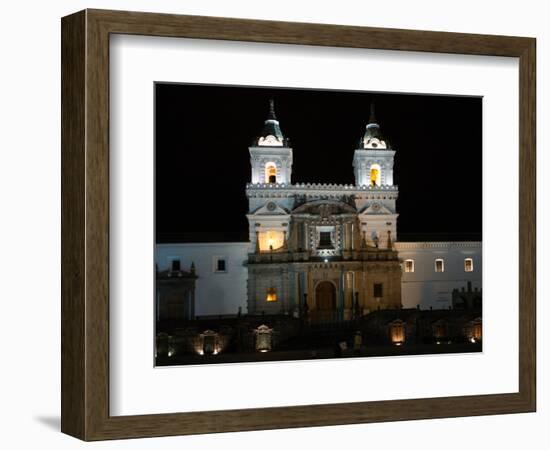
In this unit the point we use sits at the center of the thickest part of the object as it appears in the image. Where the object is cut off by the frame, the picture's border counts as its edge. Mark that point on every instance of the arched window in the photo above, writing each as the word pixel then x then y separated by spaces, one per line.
pixel 468 265
pixel 375 175
pixel 270 173
pixel 439 265
pixel 409 265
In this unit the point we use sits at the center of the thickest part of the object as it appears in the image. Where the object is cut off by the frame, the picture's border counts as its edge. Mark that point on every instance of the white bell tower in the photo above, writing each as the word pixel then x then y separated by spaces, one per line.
pixel 373 169
pixel 270 155
pixel 373 160
pixel 269 211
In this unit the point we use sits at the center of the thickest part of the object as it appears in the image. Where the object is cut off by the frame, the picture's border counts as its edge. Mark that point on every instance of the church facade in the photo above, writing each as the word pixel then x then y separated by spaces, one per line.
pixel 327 251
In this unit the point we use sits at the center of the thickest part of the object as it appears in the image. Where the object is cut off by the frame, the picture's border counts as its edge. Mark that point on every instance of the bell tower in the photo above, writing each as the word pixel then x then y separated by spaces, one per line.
pixel 373 169
pixel 269 211
pixel 373 160
pixel 270 154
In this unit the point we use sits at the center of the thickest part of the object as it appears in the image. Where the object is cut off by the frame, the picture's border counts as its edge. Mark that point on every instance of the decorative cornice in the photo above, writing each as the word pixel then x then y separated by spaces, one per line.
pixel 316 188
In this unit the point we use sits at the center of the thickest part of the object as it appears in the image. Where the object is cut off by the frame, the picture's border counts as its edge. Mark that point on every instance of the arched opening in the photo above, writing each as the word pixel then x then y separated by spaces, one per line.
pixel 325 296
pixel 375 175
pixel 397 332
pixel 271 173
pixel 325 303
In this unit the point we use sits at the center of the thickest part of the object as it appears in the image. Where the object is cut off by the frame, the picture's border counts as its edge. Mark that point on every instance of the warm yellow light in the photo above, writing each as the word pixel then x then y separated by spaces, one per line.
pixel 271 295
pixel 375 175
pixel 270 173
pixel 397 332
pixel 477 330
pixel 271 240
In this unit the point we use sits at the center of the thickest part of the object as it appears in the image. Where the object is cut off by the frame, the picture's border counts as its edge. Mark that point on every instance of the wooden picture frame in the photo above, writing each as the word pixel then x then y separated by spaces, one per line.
pixel 85 224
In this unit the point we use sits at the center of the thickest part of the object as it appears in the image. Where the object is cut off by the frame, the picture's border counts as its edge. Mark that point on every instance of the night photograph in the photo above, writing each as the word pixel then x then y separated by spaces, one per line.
pixel 296 224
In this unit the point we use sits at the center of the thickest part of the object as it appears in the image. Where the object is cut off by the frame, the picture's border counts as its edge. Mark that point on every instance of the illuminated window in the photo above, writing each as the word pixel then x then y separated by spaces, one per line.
pixel 378 290
pixel 468 265
pixel 271 294
pixel 439 265
pixel 270 173
pixel 271 240
pixel 375 175
pixel 409 265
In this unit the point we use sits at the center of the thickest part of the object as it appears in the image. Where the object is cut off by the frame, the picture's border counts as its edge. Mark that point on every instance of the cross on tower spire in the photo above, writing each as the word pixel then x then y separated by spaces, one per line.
pixel 372 117
pixel 271 115
pixel 271 134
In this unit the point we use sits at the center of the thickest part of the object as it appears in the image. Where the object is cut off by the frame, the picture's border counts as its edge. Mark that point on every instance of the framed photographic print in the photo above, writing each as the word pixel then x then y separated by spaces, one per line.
pixel 271 224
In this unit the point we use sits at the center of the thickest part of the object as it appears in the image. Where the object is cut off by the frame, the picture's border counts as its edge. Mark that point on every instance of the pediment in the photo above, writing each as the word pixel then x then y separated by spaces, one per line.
pixel 376 209
pixel 270 209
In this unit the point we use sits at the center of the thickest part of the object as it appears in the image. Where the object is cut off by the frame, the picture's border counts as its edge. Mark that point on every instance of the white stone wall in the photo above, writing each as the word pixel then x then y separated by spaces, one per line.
pixel 215 292
pixel 428 288
pixel 223 292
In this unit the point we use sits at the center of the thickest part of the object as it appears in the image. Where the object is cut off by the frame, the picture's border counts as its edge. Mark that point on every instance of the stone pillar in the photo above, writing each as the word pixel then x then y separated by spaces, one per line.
pixel 310 296
pixel 297 233
pixel 295 301
pixel 341 295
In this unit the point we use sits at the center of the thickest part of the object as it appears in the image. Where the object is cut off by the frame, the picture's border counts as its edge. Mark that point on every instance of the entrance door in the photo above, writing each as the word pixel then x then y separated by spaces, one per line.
pixel 325 296
pixel 325 302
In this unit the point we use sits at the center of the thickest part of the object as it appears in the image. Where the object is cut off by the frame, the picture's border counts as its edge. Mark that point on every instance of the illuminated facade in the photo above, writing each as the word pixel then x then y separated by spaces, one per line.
pixel 318 249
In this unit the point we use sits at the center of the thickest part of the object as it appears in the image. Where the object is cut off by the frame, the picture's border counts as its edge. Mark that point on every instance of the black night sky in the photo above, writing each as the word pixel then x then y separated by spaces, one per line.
pixel 202 160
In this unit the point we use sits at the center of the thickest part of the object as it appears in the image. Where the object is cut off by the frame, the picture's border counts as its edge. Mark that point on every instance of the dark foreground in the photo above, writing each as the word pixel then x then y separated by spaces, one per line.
pixel 212 340
pixel 323 353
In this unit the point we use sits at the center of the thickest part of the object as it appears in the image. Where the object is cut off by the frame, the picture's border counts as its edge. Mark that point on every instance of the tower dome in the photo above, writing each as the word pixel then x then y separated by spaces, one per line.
pixel 373 137
pixel 271 134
